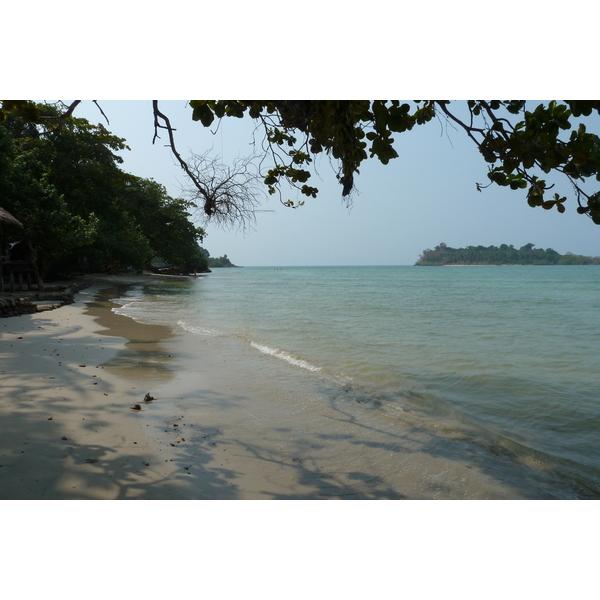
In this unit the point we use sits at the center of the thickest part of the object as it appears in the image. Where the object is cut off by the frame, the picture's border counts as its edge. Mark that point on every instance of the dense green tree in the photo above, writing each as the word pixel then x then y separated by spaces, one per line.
pixel 76 203
pixel 28 190
pixel 165 223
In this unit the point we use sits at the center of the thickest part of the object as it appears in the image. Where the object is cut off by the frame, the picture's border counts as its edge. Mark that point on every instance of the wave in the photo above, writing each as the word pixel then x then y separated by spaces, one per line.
pixel 205 331
pixel 298 362
pixel 126 305
pixel 275 352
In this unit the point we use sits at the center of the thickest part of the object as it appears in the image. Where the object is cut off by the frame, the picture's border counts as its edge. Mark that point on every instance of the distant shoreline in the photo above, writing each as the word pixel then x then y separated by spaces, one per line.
pixel 506 265
pixel 445 256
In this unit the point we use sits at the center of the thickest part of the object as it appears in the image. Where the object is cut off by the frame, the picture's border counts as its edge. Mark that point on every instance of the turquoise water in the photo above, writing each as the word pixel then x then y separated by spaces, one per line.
pixel 512 351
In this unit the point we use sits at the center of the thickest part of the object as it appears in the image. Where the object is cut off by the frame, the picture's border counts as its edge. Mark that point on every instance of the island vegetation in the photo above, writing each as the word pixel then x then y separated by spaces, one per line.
pixel 222 262
pixel 504 254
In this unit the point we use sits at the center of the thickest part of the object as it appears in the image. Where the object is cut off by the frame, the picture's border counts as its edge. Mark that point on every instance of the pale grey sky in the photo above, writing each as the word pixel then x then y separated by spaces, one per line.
pixel 424 197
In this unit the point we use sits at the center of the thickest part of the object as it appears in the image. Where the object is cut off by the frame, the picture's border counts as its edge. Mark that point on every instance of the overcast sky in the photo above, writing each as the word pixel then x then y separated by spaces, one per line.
pixel 425 196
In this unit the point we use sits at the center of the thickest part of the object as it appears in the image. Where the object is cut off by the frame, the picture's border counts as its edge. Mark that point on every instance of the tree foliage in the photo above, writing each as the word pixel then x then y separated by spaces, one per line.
pixel 521 142
pixel 521 145
pixel 500 255
pixel 75 202
pixel 219 262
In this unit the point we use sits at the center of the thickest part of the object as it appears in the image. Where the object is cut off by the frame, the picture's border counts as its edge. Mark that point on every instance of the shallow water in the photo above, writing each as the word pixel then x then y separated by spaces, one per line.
pixel 502 358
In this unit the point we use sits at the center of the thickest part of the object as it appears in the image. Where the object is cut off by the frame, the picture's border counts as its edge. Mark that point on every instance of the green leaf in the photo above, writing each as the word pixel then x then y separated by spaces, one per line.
pixel 204 114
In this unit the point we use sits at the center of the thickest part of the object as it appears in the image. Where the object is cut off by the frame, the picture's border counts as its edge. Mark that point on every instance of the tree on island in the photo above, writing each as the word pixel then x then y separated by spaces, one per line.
pixel 521 145
pixel 217 263
pixel 503 255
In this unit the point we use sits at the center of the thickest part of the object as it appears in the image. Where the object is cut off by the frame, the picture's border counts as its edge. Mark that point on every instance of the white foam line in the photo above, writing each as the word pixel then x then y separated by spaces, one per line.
pixel 198 330
pixel 285 356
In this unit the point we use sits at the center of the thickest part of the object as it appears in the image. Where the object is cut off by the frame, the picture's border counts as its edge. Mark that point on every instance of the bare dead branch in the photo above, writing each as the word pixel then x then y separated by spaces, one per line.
pixel 233 193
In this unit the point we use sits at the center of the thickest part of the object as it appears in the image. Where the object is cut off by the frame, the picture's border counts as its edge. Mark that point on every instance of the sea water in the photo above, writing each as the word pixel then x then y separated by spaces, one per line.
pixel 512 351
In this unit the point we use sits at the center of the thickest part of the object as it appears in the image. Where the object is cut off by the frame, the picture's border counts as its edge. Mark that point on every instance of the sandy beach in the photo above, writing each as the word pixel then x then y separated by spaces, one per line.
pixel 226 422
pixel 67 427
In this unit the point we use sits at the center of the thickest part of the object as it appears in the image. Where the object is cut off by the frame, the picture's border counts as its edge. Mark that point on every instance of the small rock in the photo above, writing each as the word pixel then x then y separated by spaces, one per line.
pixel 64 437
pixel 49 418
pixel 148 398
pixel 91 460
pixel 136 407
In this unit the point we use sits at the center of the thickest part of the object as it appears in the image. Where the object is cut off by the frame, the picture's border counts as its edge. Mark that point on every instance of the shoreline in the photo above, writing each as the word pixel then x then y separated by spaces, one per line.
pixel 227 422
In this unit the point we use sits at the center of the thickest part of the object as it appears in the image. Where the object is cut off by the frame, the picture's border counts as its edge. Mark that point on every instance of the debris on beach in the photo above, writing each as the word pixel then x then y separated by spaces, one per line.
pixel 148 398
pixel 136 407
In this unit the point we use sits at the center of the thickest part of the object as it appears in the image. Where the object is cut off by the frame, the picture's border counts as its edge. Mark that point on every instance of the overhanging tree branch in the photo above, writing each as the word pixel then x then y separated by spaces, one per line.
pixel 208 205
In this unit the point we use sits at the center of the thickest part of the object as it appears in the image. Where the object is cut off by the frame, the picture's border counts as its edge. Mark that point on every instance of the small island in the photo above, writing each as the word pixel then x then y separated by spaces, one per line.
pixel 443 255
pixel 222 262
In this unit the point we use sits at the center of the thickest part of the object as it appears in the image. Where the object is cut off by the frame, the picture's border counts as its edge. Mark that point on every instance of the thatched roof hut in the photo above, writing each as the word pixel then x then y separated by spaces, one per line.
pixel 6 217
